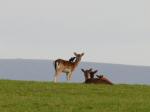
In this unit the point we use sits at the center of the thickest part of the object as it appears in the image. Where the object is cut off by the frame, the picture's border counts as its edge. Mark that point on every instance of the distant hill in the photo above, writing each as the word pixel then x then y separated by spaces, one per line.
pixel 43 70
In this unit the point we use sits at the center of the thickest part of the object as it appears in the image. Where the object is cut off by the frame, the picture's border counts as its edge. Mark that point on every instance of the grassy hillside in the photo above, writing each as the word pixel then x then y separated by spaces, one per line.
pixel 27 96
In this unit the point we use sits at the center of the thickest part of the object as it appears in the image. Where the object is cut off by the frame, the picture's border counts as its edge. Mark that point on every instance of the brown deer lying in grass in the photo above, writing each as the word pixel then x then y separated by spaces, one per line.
pixel 66 66
pixel 89 78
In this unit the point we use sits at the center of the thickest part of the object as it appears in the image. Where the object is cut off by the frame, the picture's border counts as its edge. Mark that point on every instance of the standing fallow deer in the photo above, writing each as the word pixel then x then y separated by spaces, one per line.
pixel 65 66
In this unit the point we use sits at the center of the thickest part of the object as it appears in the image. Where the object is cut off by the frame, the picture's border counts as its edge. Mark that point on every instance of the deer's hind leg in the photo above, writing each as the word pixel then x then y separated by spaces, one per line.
pixel 57 73
pixel 55 77
pixel 67 76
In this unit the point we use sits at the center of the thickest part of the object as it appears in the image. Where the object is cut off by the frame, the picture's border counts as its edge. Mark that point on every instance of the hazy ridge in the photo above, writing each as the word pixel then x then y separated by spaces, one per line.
pixel 43 70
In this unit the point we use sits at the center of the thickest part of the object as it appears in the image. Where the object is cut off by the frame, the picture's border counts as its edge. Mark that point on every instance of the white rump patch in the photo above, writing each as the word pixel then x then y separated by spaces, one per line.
pixel 57 65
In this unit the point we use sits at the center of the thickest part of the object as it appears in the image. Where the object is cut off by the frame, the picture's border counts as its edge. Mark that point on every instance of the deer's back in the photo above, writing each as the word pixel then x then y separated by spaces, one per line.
pixel 65 64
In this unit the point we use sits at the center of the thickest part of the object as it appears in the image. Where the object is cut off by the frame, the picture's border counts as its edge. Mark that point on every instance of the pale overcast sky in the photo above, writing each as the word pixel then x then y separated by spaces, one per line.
pixel 109 31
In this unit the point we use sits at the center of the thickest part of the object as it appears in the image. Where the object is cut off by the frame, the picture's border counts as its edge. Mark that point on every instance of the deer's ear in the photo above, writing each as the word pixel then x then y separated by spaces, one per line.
pixel 82 70
pixel 82 54
pixel 95 71
pixel 90 69
pixel 75 54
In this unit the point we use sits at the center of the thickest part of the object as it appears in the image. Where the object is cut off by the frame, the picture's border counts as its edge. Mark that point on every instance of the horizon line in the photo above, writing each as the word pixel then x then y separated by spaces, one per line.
pixel 81 61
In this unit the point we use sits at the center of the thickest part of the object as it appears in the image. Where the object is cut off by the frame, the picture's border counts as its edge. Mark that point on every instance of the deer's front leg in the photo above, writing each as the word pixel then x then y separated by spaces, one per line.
pixel 70 76
pixel 67 76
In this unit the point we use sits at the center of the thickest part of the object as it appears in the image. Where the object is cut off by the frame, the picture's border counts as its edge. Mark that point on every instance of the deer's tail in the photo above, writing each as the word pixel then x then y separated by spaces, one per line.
pixel 56 63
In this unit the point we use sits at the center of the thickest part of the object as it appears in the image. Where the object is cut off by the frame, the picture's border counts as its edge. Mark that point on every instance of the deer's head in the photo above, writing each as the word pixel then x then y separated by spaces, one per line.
pixel 87 73
pixel 99 76
pixel 78 56
pixel 92 73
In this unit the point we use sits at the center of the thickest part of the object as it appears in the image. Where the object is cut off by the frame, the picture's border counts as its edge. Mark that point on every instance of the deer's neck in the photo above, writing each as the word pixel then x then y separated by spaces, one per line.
pixel 77 62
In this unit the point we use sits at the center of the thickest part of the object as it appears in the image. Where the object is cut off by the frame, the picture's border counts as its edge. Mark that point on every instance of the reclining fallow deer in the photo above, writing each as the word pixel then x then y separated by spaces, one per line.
pixel 66 66
pixel 89 78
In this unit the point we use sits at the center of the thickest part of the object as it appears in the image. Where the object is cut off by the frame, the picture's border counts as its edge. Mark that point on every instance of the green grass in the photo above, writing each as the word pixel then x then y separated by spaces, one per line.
pixel 28 96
